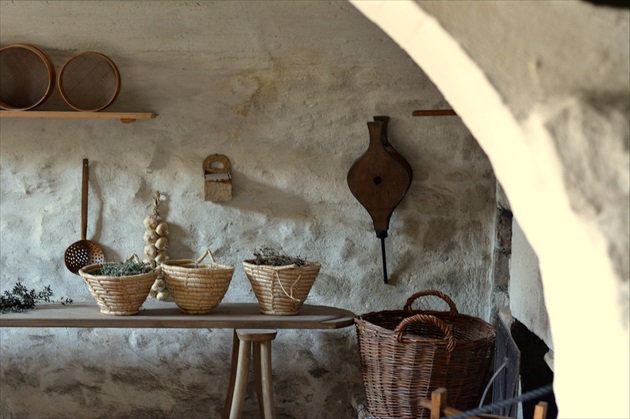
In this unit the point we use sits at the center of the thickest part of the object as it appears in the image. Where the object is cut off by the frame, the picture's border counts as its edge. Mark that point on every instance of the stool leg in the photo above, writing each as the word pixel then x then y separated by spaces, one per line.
pixel 228 398
pixel 438 402
pixel 244 339
pixel 240 385
pixel 266 383
pixel 540 411
pixel 258 379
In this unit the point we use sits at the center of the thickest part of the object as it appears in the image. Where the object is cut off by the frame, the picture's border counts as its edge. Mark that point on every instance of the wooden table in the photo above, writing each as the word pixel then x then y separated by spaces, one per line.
pixel 251 330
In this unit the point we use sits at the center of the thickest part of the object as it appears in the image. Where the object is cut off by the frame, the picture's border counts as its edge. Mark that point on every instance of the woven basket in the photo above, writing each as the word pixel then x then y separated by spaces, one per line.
pixel 407 354
pixel 118 295
pixel 197 287
pixel 281 290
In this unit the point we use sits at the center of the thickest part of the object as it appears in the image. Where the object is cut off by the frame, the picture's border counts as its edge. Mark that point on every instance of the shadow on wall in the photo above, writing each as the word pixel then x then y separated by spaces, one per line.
pixel 254 195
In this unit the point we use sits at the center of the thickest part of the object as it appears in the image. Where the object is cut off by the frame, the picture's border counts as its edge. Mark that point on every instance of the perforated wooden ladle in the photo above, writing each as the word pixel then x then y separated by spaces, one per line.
pixel 83 252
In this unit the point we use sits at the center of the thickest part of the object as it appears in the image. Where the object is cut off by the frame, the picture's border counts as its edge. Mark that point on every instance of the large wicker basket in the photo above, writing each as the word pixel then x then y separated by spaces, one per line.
pixel 118 295
pixel 281 290
pixel 407 354
pixel 197 287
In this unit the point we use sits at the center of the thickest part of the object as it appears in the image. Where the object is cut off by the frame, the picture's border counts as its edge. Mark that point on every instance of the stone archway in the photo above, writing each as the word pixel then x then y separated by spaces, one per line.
pixel 549 104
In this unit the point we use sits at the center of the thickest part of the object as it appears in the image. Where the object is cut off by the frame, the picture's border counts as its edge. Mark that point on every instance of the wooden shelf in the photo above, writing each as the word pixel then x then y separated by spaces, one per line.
pixel 125 117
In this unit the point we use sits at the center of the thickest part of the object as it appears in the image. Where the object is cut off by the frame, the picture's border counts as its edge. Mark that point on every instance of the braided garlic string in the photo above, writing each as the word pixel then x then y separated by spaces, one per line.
pixel 156 238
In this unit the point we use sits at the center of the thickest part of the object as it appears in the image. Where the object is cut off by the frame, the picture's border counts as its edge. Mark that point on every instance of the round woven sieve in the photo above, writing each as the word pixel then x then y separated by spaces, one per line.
pixel 27 77
pixel 89 82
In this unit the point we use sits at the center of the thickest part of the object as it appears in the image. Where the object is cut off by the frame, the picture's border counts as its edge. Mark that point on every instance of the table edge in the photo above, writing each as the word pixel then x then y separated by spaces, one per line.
pixel 344 319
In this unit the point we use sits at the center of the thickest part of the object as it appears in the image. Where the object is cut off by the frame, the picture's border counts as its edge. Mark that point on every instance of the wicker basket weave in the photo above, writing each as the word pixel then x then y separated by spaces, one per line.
pixel 281 290
pixel 406 354
pixel 197 287
pixel 118 295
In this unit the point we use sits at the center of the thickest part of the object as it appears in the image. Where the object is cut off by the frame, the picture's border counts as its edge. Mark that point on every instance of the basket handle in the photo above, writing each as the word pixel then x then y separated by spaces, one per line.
pixel 277 277
pixel 207 253
pixel 135 258
pixel 453 309
pixel 425 318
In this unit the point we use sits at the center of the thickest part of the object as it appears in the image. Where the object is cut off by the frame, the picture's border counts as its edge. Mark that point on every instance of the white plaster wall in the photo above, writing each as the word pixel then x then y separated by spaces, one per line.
pixel 527 295
pixel 284 89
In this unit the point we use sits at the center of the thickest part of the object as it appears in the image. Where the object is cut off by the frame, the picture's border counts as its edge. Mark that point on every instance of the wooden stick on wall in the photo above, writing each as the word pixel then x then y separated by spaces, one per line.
pixel 434 112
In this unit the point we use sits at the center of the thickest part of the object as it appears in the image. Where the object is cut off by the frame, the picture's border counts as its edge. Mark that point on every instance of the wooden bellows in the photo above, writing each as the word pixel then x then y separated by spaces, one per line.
pixel 380 179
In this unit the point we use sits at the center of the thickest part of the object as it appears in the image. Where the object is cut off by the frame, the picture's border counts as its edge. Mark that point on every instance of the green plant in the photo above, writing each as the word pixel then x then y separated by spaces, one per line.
pixel 271 256
pixel 20 299
pixel 127 268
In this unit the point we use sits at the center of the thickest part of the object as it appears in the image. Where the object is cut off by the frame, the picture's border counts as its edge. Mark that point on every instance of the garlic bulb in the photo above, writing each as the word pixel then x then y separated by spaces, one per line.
pixel 161 243
pixel 162 295
pixel 151 222
pixel 150 251
pixel 162 229
pixel 150 236
pixel 158 285
pixel 160 258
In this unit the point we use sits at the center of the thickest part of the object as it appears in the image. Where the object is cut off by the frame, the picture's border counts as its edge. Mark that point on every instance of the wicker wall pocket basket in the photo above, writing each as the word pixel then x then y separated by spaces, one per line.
pixel 197 287
pixel 89 82
pixel 406 354
pixel 27 77
pixel 281 290
pixel 118 295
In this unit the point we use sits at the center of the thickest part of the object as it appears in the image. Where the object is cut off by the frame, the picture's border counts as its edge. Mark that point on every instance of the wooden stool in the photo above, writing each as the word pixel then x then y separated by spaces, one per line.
pixel 438 408
pixel 244 340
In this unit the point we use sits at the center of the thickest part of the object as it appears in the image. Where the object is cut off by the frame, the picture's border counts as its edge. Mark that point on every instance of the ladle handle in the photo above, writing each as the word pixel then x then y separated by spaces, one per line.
pixel 84 198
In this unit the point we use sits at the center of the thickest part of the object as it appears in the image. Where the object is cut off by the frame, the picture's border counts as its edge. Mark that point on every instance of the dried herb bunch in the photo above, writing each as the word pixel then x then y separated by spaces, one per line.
pixel 127 268
pixel 271 256
pixel 20 299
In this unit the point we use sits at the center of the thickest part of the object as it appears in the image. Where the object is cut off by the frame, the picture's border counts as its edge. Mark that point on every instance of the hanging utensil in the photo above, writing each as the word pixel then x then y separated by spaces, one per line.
pixel 379 181
pixel 390 148
pixel 394 153
pixel 83 252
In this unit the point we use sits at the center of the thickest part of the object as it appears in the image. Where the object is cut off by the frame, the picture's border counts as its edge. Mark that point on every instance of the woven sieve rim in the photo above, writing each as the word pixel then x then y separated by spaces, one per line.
pixel 41 54
pixel 64 94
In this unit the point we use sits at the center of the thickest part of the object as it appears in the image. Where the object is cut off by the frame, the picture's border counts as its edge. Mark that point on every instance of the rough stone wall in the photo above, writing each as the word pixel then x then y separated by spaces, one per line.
pixel 284 90
pixel 527 299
